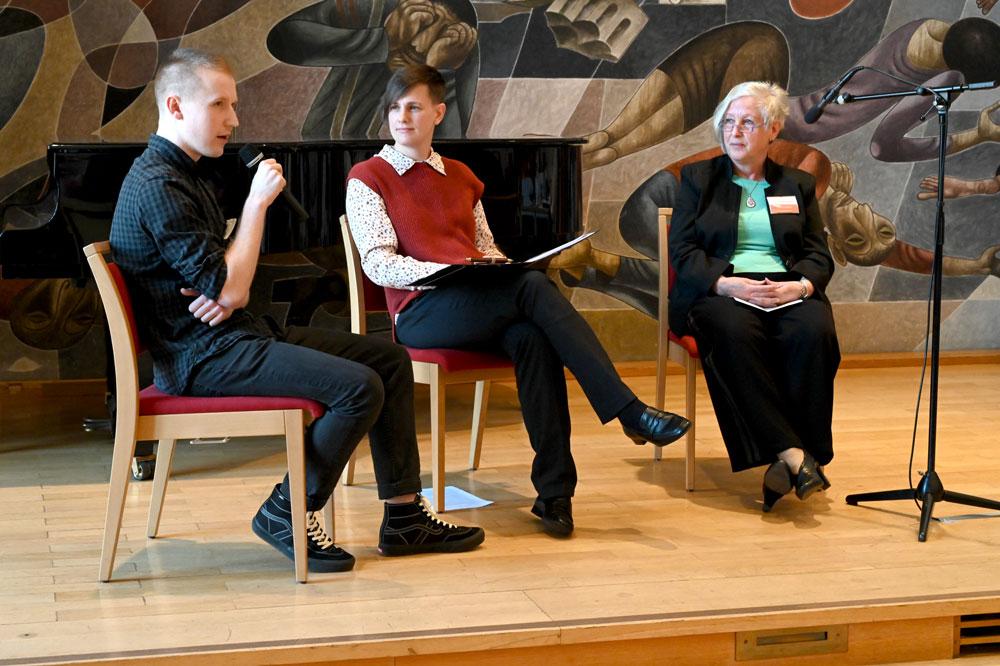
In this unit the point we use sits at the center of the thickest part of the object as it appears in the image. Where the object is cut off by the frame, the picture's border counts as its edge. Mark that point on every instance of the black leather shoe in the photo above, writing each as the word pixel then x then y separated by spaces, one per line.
pixel 556 515
pixel 658 427
pixel 777 484
pixel 808 480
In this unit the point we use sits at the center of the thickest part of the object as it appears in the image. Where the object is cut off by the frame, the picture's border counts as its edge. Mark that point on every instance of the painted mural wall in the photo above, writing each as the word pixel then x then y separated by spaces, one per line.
pixel 638 80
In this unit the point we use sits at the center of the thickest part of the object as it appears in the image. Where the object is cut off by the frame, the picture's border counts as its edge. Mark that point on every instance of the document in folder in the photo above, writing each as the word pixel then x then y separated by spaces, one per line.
pixel 457 272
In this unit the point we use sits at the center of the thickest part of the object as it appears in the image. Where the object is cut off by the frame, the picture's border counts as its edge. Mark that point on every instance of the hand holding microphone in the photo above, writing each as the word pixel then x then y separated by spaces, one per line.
pixel 251 157
pixel 267 182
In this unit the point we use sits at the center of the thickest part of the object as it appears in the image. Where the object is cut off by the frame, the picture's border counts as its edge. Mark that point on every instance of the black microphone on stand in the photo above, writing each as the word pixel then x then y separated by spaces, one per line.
pixel 251 155
pixel 813 114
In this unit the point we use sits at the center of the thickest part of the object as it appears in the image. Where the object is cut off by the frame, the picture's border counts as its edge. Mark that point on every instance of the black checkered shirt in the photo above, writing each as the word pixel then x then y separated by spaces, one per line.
pixel 167 233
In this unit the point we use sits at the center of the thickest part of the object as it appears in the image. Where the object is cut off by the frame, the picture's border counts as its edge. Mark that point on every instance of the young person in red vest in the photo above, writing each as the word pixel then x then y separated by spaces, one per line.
pixel 412 212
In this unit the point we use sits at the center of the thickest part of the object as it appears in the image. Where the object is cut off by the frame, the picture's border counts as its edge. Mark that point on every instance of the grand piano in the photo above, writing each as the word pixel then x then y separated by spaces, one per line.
pixel 532 199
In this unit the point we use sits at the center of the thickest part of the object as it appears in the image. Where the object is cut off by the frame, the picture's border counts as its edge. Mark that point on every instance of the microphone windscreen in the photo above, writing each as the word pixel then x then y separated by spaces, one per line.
pixel 250 155
pixel 813 114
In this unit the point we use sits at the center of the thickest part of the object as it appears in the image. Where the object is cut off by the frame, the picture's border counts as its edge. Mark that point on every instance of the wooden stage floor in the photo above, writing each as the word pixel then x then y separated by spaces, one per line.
pixel 653 574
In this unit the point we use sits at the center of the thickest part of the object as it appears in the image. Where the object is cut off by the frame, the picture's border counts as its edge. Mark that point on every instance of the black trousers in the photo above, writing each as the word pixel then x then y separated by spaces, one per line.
pixel 523 315
pixel 770 376
pixel 366 384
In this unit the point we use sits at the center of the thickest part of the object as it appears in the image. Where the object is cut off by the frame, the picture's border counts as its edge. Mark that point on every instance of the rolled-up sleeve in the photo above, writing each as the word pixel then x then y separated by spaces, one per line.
pixel 185 240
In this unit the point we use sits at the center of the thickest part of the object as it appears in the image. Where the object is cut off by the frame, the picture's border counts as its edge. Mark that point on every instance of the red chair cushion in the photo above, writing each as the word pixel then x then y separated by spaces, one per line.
pixel 456 360
pixel 153 402
pixel 687 342
pixel 116 275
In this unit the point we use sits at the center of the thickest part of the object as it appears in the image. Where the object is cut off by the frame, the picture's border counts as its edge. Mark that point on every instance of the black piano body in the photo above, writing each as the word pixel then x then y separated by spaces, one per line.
pixel 532 199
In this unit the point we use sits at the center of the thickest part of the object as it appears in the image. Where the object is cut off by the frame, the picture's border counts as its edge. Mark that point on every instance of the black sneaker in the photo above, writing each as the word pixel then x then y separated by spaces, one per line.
pixel 413 528
pixel 273 524
pixel 556 514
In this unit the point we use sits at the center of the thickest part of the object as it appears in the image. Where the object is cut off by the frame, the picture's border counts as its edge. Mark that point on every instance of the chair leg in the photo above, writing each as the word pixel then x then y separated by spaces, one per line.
pixel 661 374
pixel 347 476
pixel 478 422
pixel 329 521
pixel 662 312
pixel 437 439
pixel 662 350
pixel 121 461
pixel 164 461
pixel 690 399
pixel 295 444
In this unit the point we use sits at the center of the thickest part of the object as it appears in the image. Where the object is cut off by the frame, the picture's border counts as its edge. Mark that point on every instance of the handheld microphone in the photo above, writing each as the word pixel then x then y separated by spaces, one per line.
pixel 251 155
pixel 813 114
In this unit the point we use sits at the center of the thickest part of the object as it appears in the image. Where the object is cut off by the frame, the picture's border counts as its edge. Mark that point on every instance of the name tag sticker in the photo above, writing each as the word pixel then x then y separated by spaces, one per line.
pixel 780 205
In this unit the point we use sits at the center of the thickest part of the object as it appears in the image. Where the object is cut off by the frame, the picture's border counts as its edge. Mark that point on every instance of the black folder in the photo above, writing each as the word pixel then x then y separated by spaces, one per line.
pixel 457 272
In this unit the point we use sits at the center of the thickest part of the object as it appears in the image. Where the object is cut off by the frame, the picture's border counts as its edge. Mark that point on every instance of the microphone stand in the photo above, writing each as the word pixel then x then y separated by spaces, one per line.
pixel 930 490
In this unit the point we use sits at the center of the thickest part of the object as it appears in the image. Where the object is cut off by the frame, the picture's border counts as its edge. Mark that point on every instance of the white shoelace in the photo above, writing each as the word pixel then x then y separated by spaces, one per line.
pixel 425 505
pixel 316 532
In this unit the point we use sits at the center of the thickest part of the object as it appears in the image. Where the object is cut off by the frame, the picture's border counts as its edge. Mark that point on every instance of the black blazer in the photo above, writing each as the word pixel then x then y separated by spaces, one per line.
pixel 703 231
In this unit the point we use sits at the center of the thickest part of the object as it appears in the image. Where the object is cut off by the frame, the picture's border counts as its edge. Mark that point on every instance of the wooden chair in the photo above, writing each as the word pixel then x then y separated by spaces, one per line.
pixel 684 350
pixel 680 350
pixel 150 414
pixel 438 368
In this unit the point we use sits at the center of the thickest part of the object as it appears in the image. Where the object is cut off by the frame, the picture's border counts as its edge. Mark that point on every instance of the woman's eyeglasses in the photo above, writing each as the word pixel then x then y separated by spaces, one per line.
pixel 748 125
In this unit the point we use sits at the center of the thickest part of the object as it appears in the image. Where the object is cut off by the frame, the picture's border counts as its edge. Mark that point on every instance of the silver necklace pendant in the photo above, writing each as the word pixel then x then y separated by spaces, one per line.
pixel 750 200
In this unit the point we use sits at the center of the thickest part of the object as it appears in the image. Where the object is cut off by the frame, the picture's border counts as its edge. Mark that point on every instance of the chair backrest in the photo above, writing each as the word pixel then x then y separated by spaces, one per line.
pixel 668 276
pixel 125 343
pixel 787 153
pixel 366 296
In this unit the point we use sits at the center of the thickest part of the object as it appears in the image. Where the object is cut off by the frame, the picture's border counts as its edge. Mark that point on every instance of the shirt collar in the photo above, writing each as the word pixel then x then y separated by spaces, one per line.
pixel 401 163
pixel 172 153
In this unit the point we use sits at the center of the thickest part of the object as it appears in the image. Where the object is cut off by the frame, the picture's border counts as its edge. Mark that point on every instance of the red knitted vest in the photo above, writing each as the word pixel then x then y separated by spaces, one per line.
pixel 431 214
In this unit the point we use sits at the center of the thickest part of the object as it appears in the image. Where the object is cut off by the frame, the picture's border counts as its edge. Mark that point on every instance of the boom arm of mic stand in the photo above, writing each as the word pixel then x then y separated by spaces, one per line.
pixel 938 92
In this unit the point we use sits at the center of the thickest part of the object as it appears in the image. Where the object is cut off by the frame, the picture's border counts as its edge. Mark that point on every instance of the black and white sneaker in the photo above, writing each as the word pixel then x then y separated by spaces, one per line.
pixel 413 527
pixel 273 524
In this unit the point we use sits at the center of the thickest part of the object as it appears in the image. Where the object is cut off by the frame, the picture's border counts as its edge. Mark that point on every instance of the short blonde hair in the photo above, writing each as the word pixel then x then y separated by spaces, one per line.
pixel 179 72
pixel 772 100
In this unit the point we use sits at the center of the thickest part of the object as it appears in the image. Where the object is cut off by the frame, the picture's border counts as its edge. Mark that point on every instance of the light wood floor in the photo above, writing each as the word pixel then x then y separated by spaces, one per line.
pixel 645 551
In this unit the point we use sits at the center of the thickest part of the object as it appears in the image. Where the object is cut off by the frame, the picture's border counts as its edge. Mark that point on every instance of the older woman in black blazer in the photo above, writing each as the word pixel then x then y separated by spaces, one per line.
pixel 746 237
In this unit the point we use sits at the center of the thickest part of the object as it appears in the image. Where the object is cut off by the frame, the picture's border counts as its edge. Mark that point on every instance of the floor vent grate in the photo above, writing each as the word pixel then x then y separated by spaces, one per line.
pixel 979 634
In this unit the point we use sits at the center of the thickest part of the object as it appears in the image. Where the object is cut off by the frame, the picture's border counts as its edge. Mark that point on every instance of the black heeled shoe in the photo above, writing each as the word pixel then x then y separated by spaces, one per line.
pixel 777 484
pixel 809 479
pixel 822 475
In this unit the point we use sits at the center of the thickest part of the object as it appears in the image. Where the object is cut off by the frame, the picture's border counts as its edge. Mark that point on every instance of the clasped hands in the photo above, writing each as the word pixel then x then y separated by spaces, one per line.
pixel 765 293
pixel 427 32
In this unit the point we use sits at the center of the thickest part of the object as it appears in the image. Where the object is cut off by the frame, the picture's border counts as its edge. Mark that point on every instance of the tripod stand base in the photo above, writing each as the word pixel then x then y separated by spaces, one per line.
pixel 929 491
